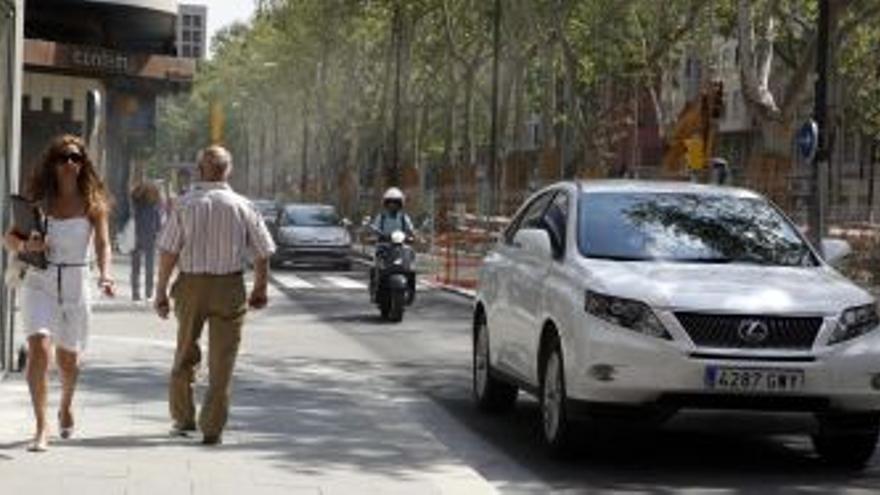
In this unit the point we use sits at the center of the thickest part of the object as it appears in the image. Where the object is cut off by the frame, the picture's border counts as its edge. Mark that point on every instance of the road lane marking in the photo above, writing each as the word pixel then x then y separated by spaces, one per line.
pixel 345 283
pixel 291 281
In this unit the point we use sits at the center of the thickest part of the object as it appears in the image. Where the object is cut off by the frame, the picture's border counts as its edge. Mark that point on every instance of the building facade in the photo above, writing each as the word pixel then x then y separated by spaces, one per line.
pixel 95 68
pixel 192 31
pixel 11 32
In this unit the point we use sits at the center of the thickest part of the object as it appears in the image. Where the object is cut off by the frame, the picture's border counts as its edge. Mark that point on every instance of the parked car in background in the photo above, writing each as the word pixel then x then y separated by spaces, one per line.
pixel 268 209
pixel 312 234
pixel 616 299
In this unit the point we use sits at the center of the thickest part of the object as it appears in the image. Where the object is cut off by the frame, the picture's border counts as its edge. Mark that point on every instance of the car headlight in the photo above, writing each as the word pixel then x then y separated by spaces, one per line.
pixel 627 313
pixel 854 322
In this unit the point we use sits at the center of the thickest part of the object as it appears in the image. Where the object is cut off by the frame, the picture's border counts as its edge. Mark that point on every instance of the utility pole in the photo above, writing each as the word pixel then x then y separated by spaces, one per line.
pixel 394 172
pixel 276 156
pixel 304 177
pixel 818 172
pixel 493 156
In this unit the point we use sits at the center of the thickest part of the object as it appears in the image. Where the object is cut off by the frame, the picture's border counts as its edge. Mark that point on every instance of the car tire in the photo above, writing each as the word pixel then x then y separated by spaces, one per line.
pixel 556 427
pixel 847 441
pixel 490 394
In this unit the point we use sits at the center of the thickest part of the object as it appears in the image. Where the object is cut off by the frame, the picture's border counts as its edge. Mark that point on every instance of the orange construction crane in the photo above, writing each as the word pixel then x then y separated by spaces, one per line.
pixel 691 140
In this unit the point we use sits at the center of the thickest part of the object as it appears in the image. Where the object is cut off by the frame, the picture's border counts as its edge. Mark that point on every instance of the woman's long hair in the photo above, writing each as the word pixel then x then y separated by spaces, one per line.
pixel 44 180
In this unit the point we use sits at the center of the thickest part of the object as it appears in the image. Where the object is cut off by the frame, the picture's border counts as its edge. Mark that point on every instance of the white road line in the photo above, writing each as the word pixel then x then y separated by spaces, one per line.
pixel 345 283
pixel 291 281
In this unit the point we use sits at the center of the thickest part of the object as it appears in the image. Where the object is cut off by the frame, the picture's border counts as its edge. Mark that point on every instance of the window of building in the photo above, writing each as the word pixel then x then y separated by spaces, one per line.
pixel 68 107
pixel 197 21
pixel 197 52
pixel 47 105
pixel 187 20
pixel 187 35
pixel 197 36
pixel 187 51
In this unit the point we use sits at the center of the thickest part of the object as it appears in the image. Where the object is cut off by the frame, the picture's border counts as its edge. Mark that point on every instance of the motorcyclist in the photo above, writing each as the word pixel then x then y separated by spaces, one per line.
pixel 392 218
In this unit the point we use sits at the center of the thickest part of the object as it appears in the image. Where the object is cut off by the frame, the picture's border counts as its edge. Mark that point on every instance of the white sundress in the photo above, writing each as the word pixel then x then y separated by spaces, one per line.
pixel 56 302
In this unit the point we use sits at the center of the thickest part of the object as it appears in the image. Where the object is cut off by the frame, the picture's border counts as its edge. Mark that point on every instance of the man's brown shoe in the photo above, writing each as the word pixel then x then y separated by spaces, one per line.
pixel 212 440
pixel 182 430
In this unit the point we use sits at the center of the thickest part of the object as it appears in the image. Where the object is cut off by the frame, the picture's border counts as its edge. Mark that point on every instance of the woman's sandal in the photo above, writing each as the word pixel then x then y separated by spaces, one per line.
pixel 65 432
pixel 39 444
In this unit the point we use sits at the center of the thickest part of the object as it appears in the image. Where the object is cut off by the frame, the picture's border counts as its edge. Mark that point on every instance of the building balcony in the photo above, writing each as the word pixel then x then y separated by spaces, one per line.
pixel 135 26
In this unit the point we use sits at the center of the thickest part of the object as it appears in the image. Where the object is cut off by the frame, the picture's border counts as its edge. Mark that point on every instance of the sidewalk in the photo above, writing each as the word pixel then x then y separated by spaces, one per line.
pixel 313 413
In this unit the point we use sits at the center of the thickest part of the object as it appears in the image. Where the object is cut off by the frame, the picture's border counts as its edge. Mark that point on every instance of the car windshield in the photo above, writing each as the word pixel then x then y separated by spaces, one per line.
pixel 311 216
pixel 691 228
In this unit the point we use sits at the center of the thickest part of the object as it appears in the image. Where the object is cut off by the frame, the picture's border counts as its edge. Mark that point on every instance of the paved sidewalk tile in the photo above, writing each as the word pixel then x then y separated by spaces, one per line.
pixel 312 414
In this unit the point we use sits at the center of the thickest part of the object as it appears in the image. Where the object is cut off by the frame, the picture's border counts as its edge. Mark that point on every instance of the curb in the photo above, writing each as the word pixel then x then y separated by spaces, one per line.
pixel 451 289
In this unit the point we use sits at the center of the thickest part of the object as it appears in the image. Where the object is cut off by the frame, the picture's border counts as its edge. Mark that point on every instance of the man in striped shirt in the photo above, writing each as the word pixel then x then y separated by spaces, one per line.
pixel 207 237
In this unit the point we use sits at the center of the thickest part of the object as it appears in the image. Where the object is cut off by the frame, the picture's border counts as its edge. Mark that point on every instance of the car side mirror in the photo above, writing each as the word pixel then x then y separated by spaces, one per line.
pixel 535 241
pixel 835 250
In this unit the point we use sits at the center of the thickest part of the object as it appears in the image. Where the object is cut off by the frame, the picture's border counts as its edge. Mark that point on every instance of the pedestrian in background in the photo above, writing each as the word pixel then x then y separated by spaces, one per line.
pixel 55 301
pixel 206 237
pixel 146 202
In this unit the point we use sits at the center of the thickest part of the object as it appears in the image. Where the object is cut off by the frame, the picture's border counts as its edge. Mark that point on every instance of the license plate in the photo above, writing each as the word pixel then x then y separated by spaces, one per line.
pixel 753 379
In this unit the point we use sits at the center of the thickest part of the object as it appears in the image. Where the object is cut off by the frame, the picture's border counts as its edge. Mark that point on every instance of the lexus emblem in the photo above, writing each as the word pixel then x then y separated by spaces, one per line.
pixel 753 331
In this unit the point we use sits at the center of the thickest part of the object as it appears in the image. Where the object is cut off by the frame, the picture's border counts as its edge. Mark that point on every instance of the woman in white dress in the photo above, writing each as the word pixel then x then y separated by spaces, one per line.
pixel 55 301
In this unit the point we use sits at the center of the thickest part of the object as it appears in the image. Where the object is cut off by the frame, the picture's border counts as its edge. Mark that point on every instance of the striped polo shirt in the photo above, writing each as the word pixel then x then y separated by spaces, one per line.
pixel 212 228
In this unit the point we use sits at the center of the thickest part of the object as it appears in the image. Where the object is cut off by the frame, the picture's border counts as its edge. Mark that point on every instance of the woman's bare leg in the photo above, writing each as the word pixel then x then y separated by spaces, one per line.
pixel 39 348
pixel 68 366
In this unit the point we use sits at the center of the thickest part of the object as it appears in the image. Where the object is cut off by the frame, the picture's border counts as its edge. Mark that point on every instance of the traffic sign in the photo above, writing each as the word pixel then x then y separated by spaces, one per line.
pixel 808 140
pixel 695 156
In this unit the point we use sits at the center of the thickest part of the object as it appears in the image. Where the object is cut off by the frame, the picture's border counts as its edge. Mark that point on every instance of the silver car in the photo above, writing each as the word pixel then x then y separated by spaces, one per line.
pixel 311 234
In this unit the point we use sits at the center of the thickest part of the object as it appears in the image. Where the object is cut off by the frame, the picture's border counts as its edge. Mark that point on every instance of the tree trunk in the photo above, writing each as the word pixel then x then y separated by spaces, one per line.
pixel 872 166
pixel 468 120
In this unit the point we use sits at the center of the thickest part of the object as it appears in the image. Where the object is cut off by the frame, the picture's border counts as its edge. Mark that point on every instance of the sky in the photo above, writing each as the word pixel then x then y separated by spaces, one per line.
pixel 224 12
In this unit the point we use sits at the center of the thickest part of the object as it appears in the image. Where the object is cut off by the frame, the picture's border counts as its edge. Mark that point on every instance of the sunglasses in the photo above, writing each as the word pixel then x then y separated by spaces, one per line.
pixel 78 158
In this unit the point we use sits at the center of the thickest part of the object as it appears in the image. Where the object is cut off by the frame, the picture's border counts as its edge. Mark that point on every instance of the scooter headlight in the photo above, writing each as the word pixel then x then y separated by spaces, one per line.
pixel 398 237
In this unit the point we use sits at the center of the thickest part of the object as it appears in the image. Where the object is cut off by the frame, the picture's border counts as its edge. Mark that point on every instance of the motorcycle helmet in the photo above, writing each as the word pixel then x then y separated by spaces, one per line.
pixel 394 196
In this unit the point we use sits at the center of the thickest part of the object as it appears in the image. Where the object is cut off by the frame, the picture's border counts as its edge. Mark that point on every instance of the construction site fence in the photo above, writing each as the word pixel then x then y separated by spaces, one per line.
pixel 455 233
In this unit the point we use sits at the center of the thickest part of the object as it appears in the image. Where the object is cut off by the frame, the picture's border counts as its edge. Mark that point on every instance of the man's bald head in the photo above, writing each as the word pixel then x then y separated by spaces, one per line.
pixel 215 163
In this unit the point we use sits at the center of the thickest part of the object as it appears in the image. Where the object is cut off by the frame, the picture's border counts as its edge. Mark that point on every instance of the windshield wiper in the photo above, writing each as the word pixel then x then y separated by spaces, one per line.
pixel 707 261
pixel 612 257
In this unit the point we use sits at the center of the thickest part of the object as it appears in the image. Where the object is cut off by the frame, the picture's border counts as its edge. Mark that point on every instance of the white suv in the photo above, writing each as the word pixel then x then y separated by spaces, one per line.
pixel 616 297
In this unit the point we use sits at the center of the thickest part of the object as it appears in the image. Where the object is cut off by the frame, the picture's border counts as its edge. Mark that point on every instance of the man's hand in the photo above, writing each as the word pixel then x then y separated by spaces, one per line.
pixel 162 305
pixel 259 297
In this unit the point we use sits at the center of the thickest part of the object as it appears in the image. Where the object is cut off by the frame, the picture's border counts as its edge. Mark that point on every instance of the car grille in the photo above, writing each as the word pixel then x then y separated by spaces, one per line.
pixel 750 332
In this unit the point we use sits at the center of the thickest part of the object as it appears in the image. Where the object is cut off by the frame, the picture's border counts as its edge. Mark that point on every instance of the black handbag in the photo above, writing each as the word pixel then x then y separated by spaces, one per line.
pixel 28 217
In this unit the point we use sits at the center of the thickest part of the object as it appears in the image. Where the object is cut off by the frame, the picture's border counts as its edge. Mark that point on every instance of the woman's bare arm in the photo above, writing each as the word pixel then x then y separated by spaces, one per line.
pixel 13 242
pixel 102 246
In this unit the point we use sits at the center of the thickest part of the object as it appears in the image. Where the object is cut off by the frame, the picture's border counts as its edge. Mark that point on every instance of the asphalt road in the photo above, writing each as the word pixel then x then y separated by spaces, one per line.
pixel 429 353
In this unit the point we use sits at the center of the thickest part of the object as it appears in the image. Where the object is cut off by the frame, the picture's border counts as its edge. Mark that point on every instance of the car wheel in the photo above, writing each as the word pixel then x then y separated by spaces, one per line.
pixel 847 441
pixel 490 393
pixel 555 424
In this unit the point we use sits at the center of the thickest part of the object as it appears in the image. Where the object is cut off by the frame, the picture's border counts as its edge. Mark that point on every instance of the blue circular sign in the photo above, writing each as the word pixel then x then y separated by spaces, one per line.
pixel 808 140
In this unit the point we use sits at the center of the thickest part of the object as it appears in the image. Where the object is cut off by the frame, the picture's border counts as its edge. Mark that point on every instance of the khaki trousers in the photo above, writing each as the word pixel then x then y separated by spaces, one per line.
pixel 220 301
